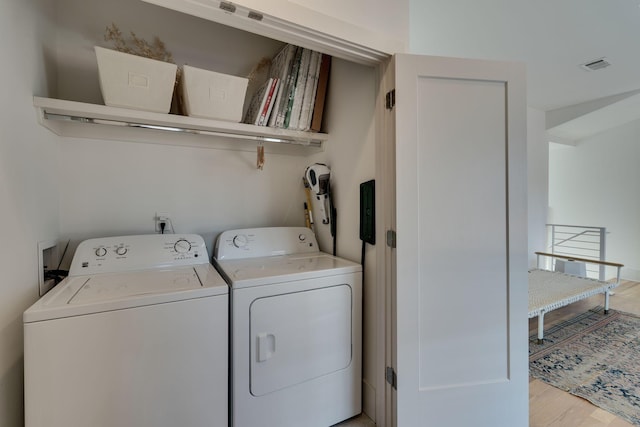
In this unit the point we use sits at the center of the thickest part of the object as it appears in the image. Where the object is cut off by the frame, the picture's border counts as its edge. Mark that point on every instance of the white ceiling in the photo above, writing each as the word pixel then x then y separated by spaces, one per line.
pixel 592 122
pixel 553 37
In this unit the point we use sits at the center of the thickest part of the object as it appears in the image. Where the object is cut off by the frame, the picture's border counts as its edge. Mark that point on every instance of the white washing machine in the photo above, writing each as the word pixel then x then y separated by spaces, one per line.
pixel 137 335
pixel 296 316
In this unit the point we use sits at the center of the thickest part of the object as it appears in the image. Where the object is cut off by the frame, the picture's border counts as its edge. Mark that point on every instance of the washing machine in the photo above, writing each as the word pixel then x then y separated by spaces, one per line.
pixel 136 335
pixel 296 316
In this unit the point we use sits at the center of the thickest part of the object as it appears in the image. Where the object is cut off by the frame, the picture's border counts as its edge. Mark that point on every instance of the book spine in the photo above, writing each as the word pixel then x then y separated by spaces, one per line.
pixel 263 97
pixel 294 116
pixel 282 73
pixel 310 91
pixel 257 104
pixel 282 120
pixel 252 111
pixel 264 116
pixel 321 93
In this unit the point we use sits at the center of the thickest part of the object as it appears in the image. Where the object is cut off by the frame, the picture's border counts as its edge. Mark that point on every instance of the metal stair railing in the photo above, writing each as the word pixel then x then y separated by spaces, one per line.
pixel 581 242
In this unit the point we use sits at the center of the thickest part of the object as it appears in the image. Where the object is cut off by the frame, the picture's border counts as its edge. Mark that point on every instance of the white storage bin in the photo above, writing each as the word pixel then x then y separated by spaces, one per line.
pixel 212 95
pixel 132 81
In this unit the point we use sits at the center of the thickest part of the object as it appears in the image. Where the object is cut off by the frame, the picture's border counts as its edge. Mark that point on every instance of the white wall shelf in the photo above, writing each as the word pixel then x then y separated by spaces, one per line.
pixel 82 120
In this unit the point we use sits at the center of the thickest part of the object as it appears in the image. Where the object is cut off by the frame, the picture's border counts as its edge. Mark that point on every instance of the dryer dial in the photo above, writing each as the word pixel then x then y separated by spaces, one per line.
pixel 240 240
pixel 121 250
pixel 101 251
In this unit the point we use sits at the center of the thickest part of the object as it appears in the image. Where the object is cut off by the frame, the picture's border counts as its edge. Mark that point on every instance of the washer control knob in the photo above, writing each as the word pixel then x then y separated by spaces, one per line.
pixel 100 252
pixel 182 246
pixel 240 241
pixel 302 237
pixel 121 250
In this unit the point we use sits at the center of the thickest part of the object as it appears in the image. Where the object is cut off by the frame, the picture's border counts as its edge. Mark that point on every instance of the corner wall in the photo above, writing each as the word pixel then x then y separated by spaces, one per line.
pixel 352 160
pixel 28 183
pixel 538 182
pixel 595 184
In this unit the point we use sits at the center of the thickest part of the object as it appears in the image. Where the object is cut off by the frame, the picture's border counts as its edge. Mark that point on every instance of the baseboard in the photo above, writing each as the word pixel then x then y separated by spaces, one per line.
pixel 369 400
pixel 630 274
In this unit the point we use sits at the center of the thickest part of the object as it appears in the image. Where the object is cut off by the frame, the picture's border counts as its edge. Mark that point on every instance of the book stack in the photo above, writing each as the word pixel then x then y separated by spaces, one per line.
pixel 293 95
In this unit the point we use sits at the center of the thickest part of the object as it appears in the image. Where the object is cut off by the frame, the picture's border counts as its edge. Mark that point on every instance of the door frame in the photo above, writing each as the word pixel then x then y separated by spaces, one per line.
pixel 385 255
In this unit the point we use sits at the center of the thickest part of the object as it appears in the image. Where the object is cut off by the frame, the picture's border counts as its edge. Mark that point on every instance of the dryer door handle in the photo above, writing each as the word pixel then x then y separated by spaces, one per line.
pixel 266 346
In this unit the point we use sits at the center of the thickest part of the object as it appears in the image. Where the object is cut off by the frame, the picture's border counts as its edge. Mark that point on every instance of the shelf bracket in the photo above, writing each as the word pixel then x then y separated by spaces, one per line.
pixel 260 156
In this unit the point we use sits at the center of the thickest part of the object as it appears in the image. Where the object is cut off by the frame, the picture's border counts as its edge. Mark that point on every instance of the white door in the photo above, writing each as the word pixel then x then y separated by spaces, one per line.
pixel 461 265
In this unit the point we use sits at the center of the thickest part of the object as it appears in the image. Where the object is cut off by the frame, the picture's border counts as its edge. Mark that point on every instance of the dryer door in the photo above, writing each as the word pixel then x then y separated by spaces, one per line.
pixel 299 336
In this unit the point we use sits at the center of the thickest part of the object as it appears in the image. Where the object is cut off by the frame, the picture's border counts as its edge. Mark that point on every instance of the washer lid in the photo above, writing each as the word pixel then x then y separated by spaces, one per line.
pixel 243 273
pixel 105 292
pixel 107 287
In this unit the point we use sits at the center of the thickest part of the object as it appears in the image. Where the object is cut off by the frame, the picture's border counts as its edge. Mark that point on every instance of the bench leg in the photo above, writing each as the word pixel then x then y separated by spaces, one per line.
pixel 606 302
pixel 541 328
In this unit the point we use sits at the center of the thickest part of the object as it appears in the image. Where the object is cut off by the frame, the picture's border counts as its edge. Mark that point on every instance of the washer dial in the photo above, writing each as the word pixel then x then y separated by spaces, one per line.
pixel 182 246
pixel 121 250
pixel 100 252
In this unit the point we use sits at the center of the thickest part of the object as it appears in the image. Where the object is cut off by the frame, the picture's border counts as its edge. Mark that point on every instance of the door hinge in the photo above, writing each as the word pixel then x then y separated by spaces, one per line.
pixel 390 99
pixel 391 239
pixel 391 377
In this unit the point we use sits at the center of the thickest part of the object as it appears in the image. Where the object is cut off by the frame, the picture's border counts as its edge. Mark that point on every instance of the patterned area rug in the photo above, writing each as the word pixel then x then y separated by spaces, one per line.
pixel 596 357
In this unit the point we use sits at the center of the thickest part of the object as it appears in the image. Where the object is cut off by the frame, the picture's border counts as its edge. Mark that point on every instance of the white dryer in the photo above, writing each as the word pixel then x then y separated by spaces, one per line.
pixel 137 335
pixel 296 316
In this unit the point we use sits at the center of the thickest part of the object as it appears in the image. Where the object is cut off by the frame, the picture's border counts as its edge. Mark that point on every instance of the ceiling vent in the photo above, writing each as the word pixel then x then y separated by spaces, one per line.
pixel 597 64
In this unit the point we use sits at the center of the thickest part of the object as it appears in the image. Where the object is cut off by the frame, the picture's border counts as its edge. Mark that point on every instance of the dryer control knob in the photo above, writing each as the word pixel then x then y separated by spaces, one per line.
pixel 240 241
pixel 182 246
pixel 100 252
pixel 121 250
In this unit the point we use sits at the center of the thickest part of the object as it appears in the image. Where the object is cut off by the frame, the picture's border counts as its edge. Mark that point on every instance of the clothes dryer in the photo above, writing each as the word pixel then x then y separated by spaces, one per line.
pixel 137 335
pixel 296 316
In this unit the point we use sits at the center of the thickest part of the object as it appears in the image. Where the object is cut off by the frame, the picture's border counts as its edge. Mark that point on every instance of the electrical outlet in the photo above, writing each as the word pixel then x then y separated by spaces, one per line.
pixel 162 217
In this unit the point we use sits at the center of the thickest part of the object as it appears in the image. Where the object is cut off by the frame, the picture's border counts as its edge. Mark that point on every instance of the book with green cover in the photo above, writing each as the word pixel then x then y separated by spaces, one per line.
pixel 310 91
pixel 291 88
pixel 280 69
pixel 301 84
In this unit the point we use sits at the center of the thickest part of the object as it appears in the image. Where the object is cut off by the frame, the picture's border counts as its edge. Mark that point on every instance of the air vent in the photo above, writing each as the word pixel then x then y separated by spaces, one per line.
pixel 597 64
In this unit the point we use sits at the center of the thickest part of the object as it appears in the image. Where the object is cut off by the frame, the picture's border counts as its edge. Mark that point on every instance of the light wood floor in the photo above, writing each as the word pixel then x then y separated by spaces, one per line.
pixel 551 407
pixel 360 421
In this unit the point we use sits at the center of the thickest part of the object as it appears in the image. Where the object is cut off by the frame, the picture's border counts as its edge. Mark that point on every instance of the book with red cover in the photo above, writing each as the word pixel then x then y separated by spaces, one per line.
pixel 258 106
pixel 270 97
